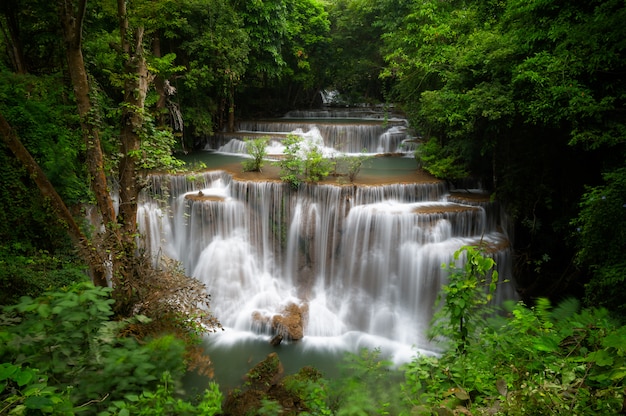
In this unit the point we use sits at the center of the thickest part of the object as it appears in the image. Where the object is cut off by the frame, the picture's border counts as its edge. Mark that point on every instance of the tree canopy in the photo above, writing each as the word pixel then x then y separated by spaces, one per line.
pixel 528 97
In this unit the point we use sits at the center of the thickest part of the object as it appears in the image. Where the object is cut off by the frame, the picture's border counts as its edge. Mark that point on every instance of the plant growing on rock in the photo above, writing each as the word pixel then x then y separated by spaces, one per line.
pixel 257 150
pixel 302 161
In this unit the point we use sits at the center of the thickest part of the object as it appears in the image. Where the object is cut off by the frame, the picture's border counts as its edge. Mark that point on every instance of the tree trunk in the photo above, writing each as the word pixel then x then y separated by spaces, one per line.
pixel 135 91
pixel 71 16
pixel 86 251
pixel 13 38
pixel 71 21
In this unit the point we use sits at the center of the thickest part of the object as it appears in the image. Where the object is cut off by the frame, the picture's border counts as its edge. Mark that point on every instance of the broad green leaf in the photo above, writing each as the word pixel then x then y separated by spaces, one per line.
pixel 7 370
pixel 38 402
pixel 600 357
pixel 132 397
pixel 24 377
pixel 44 310
pixel 619 374
pixel 546 343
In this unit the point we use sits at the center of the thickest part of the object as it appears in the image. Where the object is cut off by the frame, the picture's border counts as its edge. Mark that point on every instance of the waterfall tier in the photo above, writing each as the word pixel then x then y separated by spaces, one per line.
pixel 341 135
pixel 358 259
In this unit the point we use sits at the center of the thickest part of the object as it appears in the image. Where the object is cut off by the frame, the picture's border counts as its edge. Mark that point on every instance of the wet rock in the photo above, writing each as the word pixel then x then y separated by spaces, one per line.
pixel 257 383
pixel 265 382
pixel 276 340
pixel 266 373
pixel 290 323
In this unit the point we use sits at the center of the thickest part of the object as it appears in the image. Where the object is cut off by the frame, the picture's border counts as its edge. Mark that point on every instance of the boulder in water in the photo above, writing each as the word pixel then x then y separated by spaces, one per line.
pixel 276 340
pixel 290 323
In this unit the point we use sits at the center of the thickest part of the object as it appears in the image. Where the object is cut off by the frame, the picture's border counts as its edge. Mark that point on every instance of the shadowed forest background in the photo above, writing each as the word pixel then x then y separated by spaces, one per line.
pixel 525 98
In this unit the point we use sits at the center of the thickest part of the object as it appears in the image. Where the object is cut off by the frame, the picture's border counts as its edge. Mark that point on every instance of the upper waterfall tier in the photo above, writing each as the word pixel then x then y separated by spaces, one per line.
pixel 340 135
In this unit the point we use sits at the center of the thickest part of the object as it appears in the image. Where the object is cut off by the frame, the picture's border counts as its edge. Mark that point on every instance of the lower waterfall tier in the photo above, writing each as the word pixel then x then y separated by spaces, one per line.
pixel 348 259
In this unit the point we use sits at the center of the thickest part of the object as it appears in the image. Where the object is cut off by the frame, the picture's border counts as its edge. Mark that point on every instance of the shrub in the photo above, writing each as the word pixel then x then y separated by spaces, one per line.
pixel 439 161
pixel 302 162
pixel 163 401
pixel 464 298
pixel 535 360
pixel 68 336
pixel 257 150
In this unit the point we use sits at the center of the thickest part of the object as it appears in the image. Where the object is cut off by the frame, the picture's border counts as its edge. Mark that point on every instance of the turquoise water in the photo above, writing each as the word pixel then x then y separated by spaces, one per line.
pixel 234 354
pixel 376 167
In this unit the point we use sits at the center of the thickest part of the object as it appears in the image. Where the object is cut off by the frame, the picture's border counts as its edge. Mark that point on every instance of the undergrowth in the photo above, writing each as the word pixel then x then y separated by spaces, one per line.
pixel 540 360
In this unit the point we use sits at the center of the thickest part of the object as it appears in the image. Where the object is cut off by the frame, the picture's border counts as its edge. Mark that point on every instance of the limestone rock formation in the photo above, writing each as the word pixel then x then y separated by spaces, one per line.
pixel 290 323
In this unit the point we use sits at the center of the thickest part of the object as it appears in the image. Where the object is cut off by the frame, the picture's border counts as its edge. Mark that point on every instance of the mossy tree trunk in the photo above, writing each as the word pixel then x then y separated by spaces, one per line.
pixel 88 253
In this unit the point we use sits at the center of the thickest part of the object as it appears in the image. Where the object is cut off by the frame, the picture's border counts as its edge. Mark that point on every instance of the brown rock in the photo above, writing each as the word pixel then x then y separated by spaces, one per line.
pixel 290 323
pixel 266 373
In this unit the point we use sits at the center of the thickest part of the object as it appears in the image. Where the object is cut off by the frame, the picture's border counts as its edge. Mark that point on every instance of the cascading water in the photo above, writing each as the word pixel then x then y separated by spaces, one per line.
pixel 362 263
pixel 340 131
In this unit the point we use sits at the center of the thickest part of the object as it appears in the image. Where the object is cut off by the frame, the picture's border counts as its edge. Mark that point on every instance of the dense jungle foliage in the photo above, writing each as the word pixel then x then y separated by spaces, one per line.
pixel 526 97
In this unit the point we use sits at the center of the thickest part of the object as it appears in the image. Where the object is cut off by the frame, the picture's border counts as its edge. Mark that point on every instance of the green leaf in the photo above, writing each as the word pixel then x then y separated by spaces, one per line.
pixel 7 370
pixel 44 310
pixel 601 358
pixel 24 377
pixel 546 343
pixel 618 374
pixel 38 402
pixel 34 389
pixel 132 397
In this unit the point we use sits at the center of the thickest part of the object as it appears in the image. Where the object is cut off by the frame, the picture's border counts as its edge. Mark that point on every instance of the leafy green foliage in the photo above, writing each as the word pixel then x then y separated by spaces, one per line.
pixel 38 110
pixel 350 166
pixel 316 166
pixel 155 151
pixel 302 162
pixel 368 386
pixel 355 70
pixel 257 150
pixel 562 360
pixel 24 390
pixel 464 298
pixel 601 240
pixel 508 88
pixel 215 46
pixel 28 272
pixel 309 385
pixel 69 336
pixel 441 162
pixel 164 401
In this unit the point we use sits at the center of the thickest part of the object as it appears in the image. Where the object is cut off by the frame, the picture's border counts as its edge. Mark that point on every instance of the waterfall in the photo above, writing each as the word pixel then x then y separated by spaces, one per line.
pixel 342 135
pixel 361 263
pixel 362 259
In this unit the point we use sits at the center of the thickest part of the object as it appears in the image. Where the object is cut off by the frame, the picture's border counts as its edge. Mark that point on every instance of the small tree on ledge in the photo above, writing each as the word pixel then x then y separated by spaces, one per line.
pixel 257 149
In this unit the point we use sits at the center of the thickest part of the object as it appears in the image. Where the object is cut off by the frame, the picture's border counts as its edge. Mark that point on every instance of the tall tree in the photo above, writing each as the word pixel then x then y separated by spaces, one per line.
pixel 137 80
pixel 215 48
pixel 10 27
pixel 72 15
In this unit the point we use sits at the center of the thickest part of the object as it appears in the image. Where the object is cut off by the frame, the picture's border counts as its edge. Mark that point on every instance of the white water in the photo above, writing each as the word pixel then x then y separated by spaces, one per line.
pixel 365 260
pixel 338 136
